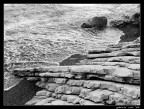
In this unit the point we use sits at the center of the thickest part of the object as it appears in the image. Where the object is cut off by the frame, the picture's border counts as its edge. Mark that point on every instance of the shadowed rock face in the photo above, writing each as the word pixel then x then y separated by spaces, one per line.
pixel 20 94
pixel 96 22
pixel 130 27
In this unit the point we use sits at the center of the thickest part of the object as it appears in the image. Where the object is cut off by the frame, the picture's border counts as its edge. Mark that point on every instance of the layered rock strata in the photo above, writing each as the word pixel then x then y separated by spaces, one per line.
pixel 106 77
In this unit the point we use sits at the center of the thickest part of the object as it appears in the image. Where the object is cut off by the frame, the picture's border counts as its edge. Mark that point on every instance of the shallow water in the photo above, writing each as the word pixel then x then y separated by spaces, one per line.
pixel 52 32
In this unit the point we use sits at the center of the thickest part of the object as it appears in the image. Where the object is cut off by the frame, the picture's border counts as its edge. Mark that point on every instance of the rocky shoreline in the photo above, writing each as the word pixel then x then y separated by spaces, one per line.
pixel 103 78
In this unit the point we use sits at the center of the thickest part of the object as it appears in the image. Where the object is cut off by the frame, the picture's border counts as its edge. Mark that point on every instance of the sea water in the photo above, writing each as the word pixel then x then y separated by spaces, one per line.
pixel 53 32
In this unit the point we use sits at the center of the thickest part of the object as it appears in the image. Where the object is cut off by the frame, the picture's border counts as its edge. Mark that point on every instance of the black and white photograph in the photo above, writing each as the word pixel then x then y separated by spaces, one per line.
pixel 71 54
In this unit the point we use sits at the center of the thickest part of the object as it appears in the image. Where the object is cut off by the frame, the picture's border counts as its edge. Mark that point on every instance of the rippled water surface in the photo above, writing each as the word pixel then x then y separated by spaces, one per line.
pixel 52 32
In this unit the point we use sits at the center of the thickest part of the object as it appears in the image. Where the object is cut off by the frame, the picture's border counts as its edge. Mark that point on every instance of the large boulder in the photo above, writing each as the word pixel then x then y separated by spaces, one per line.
pixel 96 22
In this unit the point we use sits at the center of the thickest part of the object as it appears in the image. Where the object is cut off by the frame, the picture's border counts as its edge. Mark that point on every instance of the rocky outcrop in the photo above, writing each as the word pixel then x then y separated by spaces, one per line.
pixel 28 64
pixel 130 25
pixel 106 77
pixel 96 22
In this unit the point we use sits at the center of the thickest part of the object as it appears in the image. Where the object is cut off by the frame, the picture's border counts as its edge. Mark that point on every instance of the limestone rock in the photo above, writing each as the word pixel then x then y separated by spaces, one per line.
pixel 58 69
pixel 64 97
pixel 75 82
pixel 54 95
pixel 76 90
pixel 87 102
pixel 136 102
pixel 48 94
pixel 59 96
pixel 40 84
pixel 118 99
pixel 131 91
pixel 84 92
pixel 134 66
pixel 44 101
pixel 42 93
pixel 112 54
pixel 123 72
pixel 33 78
pixel 59 89
pixel 49 74
pixel 33 101
pixel 60 80
pixel 51 86
pixel 92 84
pixel 59 102
pixel 43 79
pixel 72 98
pixel 98 95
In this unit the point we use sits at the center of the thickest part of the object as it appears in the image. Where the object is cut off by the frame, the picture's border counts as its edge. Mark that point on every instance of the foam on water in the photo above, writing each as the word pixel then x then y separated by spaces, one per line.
pixel 54 37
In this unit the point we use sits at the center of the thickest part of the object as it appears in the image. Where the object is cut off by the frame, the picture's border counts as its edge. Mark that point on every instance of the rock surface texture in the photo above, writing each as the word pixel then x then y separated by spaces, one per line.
pixel 96 22
pixel 130 25
pixel 106 77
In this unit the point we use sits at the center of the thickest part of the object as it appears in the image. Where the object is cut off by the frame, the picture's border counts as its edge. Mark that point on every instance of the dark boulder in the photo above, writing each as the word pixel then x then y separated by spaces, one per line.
pixel 135 20
pixel 96 22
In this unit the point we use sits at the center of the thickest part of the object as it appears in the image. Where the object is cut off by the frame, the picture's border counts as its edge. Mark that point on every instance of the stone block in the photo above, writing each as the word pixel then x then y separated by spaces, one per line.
pixel 47 74
pixel 40 84
pixel 60 80
pixel 59 96
pixel 49 94
pixel 91 84
pixel 130 49
pixel 50 80
pixel 44 101
pixel 118 99
pixel 136 102
pixel 59 89
pixel 43 79
pixel 58 69
pixel 33 101
pixel 75 82
pixel 87 102
pixel 64 97
pixel 33 78
pixel 42 93
pixel 98 95
pixel 54 95
pixel 112 49
pixel 134 66
pixel 84 92
pixel 76 90
pixel 51 86
pixel 72 98
pixel 131 91
pixel 123 72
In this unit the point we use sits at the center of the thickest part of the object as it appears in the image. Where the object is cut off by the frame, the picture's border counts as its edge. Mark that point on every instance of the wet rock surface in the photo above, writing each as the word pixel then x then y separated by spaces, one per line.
pixel 100 80
pixel 130 25
pixel 96 22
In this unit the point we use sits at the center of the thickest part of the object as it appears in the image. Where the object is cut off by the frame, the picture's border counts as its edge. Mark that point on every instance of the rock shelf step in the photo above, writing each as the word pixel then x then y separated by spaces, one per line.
pixel 106 77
